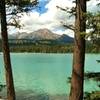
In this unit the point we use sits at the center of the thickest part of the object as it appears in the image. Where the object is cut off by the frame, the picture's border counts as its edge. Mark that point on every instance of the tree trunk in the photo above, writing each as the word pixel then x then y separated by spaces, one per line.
pixel 5 46
pixel 77 81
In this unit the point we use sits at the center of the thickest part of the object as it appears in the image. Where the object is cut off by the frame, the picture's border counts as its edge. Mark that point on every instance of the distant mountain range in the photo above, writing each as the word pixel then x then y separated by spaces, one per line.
pixel 42 34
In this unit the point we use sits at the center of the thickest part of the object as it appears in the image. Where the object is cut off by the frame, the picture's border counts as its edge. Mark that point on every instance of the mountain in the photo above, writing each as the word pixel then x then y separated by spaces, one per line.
pixel 65 39
pixel 42 34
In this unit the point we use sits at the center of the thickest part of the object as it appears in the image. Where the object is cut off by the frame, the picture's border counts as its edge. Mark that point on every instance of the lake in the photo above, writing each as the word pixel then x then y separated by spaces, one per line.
pixel 36 73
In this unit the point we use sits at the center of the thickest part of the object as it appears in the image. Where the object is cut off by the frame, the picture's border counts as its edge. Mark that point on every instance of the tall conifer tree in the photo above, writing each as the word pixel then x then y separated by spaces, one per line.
pixel 77 81
pixel 7 61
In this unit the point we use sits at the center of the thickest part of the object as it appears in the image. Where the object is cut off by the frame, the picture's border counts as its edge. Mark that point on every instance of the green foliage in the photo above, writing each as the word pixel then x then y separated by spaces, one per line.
pixel 41 48
pixel 95 95
pixel 69 80
pixel 93 75
pixel 93 23
pixel 21 3
pixel 46 46
pixel 92 48
pixel 2 86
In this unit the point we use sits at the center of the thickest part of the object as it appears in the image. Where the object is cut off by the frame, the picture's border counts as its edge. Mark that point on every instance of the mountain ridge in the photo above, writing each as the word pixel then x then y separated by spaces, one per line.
pixel 42 34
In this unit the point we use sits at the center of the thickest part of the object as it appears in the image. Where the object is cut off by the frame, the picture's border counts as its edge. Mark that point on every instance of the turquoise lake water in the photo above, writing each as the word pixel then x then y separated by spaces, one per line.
pixel 47 73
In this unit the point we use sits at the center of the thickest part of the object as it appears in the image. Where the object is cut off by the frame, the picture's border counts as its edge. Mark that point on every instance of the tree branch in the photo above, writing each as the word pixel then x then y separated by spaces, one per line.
pixel 14 24
pixel 63 9
pixel 71 27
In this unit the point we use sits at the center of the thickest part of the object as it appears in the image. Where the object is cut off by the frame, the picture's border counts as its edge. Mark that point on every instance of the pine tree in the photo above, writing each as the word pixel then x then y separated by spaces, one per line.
pixel 77 81
pixel 5 45
pixel 79 28
pixel 7 61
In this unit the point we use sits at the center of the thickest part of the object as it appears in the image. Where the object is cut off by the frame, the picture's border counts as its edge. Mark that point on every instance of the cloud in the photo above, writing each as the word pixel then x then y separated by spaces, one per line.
pixel 68 32
pixel 50 17
pixel 91 5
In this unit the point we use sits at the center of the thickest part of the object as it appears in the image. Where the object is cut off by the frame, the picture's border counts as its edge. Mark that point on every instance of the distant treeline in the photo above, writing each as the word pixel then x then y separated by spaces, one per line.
pixel 45 46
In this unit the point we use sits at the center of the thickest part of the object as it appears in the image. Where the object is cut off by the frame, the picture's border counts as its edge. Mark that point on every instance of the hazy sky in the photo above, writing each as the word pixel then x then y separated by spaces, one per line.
pixel 46 15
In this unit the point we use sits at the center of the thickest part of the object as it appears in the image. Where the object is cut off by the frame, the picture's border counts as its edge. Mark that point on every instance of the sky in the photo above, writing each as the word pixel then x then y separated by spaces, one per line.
pixel 47 15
